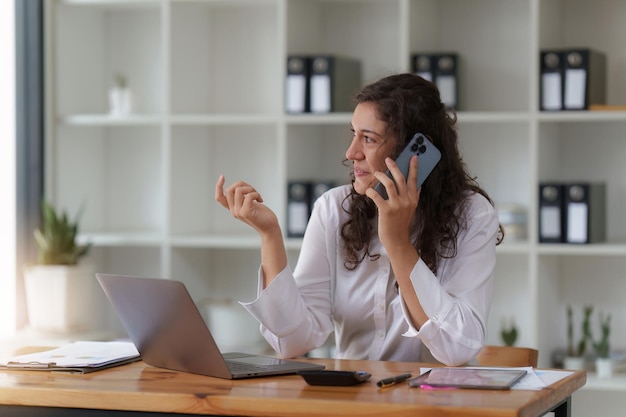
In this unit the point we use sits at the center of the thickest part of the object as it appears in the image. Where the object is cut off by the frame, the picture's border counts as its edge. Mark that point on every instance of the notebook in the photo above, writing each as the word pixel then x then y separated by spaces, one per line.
pixel 476 378
pixel 166 327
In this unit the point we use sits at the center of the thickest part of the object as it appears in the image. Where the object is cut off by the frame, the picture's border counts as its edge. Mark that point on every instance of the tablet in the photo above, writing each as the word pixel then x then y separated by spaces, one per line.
pixel 474 378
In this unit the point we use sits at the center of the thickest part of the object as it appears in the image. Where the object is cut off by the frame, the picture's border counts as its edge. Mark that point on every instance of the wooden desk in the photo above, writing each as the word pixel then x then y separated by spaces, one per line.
pixel 140 387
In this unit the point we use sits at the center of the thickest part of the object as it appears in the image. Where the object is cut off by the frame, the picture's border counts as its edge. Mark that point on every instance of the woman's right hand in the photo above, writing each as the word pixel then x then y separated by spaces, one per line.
pixel 246 204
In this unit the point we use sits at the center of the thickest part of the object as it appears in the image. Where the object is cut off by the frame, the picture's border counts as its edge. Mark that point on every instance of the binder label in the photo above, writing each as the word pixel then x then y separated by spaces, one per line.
pixel 577 215
pixel 296 88
pixel 447 89
pixel 550 222
pixel 298 217
pixel 551 94
pixel 320 94
pixel 575 88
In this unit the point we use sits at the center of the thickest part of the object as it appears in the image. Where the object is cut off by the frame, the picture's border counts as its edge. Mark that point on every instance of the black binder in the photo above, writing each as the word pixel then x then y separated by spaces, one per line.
pixel 551 80
pixel 440 68
pixel 551 216
pixel 584 79
pixel 297 87
pixel 334 81
pixel 298 207
pixel 585 210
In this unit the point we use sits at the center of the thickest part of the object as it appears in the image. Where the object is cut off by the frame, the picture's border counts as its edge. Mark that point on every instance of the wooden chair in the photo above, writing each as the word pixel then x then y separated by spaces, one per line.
pixel 507 356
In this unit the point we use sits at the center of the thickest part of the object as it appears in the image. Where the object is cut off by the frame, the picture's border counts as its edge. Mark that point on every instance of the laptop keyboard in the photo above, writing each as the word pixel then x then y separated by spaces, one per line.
pixel 235 367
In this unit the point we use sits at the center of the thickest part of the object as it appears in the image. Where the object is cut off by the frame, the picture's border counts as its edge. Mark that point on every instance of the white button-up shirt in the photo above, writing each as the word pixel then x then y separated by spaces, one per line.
pixel 299 310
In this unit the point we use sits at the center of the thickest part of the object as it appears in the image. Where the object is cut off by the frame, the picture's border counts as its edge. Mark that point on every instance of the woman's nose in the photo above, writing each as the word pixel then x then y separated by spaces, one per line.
pixel 353 152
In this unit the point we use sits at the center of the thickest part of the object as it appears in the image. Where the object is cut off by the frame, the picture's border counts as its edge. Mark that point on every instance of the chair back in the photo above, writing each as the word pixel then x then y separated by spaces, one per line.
pixel 507 356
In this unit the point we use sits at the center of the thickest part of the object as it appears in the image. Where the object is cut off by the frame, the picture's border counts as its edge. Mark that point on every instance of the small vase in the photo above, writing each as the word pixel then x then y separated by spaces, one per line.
pixel 604 367
pixel 576 363
pixel 120 101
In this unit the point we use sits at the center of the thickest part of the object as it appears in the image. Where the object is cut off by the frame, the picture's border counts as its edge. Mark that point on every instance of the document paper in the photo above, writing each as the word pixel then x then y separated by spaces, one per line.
pixel 77 355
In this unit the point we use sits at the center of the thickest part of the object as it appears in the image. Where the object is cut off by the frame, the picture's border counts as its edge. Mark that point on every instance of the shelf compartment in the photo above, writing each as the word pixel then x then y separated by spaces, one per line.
pixel 588 152
pixel 493 71
pixel 595 24
pixel 112 39
pixel 114 173
pixel 362 30
pixel 507 177
pixel 199 154
pixel 578 281
pixel 225 58
pixel 316 153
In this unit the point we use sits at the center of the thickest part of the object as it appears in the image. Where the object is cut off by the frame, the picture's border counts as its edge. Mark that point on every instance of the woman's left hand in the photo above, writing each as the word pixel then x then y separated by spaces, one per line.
pixel 395 215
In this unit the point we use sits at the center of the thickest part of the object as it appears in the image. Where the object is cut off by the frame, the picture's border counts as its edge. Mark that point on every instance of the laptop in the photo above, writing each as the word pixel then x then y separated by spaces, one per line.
pixel 169 332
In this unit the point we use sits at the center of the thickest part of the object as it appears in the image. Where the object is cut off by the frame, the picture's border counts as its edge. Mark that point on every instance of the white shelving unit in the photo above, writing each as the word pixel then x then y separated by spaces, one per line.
pixel 208 79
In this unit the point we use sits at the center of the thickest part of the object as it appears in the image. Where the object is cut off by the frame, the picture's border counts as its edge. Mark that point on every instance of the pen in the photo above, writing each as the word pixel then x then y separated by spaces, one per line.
pixel 387 382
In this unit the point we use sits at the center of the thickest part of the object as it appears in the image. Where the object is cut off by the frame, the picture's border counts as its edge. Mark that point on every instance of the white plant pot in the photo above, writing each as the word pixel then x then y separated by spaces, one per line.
pixel 120 101
pixel 60 299
pixel 575 363
pixel 604 367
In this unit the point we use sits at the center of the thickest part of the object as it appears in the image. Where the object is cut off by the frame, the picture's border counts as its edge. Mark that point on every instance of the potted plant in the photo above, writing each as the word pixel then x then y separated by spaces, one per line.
pixel 604 365
pixel 120 96
pixel 509 333
pixel 59 289
pixel 575 358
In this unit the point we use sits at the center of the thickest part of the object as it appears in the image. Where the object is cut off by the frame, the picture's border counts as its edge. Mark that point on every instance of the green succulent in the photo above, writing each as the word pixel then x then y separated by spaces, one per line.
pixel 56 238
pixel 581 347
pixel 120 80
pixel 509 333
pixel 602 346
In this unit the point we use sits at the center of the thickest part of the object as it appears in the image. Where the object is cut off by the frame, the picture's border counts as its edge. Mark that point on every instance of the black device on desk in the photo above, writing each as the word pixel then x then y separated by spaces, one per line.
pixel 334 378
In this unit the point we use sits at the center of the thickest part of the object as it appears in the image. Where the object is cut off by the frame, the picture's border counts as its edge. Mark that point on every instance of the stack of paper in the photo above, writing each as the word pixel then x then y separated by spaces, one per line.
pixel 80 357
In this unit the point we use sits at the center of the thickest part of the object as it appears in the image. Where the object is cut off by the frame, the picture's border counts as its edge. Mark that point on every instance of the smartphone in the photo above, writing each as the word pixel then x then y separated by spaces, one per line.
pixel 427 156
pixel 334 378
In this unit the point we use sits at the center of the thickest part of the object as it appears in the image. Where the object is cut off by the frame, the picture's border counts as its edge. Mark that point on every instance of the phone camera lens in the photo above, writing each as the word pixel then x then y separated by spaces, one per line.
pixel 414 147
pixel 422 149
pixel 420 140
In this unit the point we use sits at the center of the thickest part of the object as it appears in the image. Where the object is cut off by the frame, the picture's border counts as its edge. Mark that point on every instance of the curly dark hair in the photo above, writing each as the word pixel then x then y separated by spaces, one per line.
pixel 408 104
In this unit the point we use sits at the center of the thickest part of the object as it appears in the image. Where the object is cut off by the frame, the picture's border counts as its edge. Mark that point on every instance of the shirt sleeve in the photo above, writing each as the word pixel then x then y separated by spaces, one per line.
pixel 457 301
pixel 295 313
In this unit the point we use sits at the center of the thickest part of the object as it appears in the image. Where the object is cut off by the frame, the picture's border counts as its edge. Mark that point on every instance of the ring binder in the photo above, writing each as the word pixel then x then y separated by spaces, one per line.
pixel 298 210
pixel 584 79
pixel 440 68
pixel 551 217
pixel 585 212
pixel 333 80
pixel 297 88
pixel 551 80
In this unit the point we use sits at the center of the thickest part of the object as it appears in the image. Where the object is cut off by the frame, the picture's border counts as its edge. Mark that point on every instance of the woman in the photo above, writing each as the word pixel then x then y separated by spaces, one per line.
pixel 407 278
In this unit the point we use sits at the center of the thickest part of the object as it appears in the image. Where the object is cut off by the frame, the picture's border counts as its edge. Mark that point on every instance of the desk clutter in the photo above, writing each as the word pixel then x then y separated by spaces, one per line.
pixel 572 212
pixel 141 387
